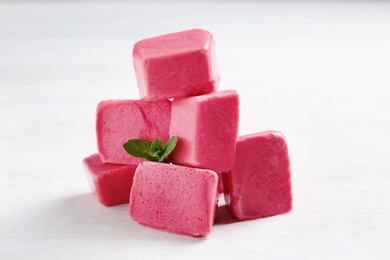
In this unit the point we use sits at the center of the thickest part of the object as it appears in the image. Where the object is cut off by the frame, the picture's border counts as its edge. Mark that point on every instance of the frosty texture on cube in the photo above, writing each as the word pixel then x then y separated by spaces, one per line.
pixel 174 198
pixel 117 121
pixel 259 183
pixel 207 128
pixel 176 65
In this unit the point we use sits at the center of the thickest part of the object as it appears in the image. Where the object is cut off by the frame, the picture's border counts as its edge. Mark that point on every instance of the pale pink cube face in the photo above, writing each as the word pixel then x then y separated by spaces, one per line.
pixel 111 183
pixel 259 184
pixel 117 121
pixel 207 128
pixel 174 198
pixel 176 65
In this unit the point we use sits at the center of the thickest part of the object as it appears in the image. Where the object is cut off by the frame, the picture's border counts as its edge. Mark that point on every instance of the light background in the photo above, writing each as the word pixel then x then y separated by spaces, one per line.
pixel 317 71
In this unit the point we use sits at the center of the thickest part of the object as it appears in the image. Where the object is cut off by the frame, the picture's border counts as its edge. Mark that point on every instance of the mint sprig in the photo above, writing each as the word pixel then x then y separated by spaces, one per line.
pixel 155 151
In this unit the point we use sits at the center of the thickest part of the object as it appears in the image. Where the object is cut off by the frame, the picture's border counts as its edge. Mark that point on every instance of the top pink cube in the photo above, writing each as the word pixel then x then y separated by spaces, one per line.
pixel 175 65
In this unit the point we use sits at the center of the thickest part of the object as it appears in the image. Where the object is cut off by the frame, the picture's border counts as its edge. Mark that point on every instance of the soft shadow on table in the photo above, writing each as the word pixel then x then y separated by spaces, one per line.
pixel 224 216
pixel 82 216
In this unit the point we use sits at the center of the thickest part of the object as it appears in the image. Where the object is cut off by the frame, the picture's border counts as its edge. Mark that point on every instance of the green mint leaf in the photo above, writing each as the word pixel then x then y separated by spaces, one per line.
pixel 157 148
pixel 159 159
pixel 154 151
pixel 139 148
pixel 154 159
pixel 171 144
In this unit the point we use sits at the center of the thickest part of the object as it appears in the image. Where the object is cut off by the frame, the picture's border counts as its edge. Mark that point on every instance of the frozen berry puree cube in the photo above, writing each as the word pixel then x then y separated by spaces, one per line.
pixel 176 65
pixel 117 121
pixel 174 198
pixel 207 128
pixel 259 183
pixel 111 183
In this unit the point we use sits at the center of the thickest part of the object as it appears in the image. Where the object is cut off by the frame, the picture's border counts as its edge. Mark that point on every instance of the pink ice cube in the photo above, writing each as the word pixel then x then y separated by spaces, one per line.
pixel 259 183
pixel 207 128
pixel 117 121
pixel 176 65
pixel 174 198
pixel 111 183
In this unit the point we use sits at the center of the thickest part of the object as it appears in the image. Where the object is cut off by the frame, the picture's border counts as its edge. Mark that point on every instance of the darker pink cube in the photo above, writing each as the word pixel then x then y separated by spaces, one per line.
pixel 111 183
pixel 259 183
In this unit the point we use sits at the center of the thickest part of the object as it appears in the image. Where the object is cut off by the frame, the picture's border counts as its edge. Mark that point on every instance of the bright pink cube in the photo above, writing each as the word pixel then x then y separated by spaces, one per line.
pixel 174 198
pixel 117 121
pixel 111 183
pixel 207 128
pixel 259 183
pixel 176 65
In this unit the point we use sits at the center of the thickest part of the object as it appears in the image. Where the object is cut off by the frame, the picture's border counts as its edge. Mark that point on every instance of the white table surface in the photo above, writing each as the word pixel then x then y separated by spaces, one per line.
pixel 319 72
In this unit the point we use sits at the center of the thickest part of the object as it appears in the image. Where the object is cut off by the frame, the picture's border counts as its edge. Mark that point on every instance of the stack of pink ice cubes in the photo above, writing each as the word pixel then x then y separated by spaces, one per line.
pixel 177 78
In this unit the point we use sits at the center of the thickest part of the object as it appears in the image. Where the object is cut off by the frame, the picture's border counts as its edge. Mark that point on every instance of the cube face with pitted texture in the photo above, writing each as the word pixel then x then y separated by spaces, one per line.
pixel 117 121
pixel 259 183
pixel 176 65
pixel 174 198
pixel 111 183
pixel 207 128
